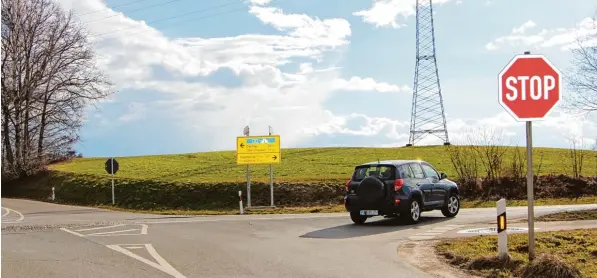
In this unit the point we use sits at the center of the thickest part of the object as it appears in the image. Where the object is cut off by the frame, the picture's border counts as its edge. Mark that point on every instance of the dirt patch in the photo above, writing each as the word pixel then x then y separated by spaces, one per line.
pixel 421 254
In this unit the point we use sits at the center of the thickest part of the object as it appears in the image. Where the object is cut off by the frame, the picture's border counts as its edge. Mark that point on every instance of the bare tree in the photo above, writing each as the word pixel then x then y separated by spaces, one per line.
pixel 490 149
pixel 582 79
pixel 49 77
pixel 576 155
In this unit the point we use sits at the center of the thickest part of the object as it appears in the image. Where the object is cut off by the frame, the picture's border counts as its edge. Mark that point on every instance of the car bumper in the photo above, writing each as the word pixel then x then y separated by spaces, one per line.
pixel 398 204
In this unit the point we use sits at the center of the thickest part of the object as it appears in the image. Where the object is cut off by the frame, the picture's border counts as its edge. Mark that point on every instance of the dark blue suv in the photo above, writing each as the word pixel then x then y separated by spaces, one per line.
pixel 399 187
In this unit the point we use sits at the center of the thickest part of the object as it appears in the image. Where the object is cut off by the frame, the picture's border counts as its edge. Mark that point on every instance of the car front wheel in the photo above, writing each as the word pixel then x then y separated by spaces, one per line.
pixel 357 218
pixel 452 206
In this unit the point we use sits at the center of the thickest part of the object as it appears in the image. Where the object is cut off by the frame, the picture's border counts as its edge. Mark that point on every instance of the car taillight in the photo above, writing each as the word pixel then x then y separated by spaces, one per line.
pixel 398 184
pixel 347 185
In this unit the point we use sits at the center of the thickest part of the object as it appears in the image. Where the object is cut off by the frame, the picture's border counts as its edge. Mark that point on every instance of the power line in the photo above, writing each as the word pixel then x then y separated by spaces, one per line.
pixel 133 11
pixel 110 8
pixel 164 19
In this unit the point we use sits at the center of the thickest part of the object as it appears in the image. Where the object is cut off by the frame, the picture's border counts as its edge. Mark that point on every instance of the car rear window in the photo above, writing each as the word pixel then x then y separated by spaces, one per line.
pixel 384 172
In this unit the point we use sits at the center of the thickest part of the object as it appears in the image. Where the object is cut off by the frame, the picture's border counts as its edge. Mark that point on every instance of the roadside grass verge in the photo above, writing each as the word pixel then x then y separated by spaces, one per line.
pixel 524 203
pixel 340 208
pixel 569 216
pixel 559 254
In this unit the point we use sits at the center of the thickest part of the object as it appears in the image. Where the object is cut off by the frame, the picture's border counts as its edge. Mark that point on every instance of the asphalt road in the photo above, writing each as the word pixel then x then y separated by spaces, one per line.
pixel 47 240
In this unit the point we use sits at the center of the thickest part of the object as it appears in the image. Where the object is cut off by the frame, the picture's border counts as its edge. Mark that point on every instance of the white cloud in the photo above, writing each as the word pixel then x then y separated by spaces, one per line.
pixel 368 84
pixel 525 26
pixel 565 38
pixel 289 101
pixel 260 2
pixel 558 130
pixel 384 13
pixel 365 126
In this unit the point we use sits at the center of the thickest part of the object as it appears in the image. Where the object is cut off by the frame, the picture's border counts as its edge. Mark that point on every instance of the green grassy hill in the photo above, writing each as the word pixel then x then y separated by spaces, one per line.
pixel 306 177
pixel 299 165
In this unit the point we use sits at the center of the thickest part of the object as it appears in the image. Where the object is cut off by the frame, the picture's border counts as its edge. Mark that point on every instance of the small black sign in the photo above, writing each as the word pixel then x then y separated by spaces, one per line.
pixel 502 224
pixel 108 166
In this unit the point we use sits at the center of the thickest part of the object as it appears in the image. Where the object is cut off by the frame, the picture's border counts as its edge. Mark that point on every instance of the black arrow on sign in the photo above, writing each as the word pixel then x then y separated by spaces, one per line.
pixel 274 157
pixel 242 145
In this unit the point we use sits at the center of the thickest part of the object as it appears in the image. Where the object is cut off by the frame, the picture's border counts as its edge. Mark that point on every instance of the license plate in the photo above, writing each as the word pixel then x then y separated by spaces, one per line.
pixel 369 212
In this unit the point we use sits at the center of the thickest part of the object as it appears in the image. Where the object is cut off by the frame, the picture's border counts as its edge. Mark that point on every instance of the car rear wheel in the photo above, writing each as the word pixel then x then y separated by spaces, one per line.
pixel 413 212
pixel 452 206
pixel 357 218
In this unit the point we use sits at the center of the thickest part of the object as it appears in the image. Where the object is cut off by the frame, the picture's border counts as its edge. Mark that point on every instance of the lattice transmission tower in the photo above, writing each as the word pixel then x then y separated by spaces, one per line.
pixel 427 116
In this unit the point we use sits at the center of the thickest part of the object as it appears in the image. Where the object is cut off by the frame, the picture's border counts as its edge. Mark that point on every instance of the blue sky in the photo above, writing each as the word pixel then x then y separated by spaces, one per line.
pixel 189 75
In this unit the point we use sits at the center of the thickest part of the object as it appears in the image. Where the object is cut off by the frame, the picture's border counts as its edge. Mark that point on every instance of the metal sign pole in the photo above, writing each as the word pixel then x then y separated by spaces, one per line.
pixel 271 177
pixel 530 197
pixel 531 214
pixel 248 186
pixel 112 173
pixel 246 133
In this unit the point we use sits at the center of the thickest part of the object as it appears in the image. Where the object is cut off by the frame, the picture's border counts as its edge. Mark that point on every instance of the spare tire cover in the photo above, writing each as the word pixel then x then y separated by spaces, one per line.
pixel 371 190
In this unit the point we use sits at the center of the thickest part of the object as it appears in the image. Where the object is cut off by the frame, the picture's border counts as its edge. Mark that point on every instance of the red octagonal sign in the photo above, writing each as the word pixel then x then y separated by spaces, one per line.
pixel 529 87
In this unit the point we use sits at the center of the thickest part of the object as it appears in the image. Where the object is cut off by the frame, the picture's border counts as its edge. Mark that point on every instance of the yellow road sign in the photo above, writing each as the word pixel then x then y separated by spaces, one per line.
pixel 258 144
pixel 258 158
pixel 258 149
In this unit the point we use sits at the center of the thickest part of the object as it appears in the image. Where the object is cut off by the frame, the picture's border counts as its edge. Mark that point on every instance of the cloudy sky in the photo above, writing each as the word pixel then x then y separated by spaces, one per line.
pixel 191 74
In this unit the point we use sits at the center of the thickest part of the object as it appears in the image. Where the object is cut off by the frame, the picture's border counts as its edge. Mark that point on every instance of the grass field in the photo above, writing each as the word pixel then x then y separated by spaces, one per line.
pixel 305 165
pixel 577 248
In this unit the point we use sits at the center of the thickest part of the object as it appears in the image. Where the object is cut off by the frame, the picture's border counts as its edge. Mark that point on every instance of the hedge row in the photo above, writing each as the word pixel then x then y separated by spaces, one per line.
pixel 151 194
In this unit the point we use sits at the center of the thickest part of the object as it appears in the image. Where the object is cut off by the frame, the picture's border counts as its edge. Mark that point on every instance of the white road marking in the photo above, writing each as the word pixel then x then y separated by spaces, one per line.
pixel 143 231
pixel 434 232
pixel 161 264
pixel 72 232
pixel 6 213
pixel 134 247
pixel 97 228
pixel 8 210
pixel 111 232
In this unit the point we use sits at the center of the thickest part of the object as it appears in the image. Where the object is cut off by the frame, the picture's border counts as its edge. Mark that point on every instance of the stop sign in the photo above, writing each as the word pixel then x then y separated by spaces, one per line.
pixel 529 87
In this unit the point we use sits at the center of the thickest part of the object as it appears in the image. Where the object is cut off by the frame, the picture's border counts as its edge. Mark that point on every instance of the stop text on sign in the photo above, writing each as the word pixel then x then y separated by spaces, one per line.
pixel 529 87
pixel 536 86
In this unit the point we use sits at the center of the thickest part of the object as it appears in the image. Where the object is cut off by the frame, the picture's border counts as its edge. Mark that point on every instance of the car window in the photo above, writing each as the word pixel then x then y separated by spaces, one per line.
pixel 430 172
pixel 416 168
pixel 406 172
pixel 384 172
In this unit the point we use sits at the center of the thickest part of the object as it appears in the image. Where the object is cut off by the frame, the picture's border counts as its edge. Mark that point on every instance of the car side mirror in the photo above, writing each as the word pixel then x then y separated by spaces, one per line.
pixel 443 176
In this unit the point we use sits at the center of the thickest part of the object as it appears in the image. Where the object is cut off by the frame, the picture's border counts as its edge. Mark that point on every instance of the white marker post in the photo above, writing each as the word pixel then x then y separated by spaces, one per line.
pixel 240 201
pixel 53 194
pixel 502 229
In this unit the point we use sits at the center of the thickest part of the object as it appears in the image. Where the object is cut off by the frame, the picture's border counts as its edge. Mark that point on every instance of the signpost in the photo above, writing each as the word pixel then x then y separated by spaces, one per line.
pixel 529 88
pixel 271 175
pixel 112 166
pixel 501 229
pixel 258 150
